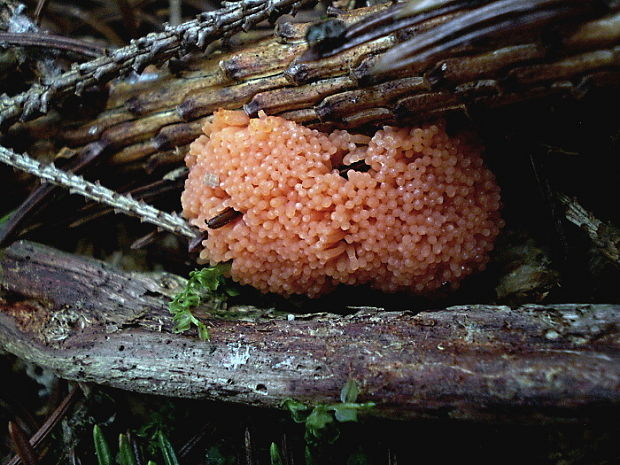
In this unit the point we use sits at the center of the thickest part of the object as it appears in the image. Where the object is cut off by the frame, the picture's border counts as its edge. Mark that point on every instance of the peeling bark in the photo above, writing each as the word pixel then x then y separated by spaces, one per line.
pixel 92 323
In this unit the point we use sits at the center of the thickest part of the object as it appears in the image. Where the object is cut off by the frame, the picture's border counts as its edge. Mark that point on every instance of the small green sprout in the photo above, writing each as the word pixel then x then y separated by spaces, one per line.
pixel 167 451
pixel 102 448
pixel 274 454
pixel 205 284
pixel 126 455
pixel 320 420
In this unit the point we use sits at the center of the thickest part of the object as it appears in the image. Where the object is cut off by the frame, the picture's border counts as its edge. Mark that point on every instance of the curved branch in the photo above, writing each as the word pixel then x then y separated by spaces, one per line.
pixel 90 322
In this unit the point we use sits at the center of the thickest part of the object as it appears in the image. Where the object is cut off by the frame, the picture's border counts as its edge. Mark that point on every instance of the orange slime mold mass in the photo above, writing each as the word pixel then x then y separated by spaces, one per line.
pixel 425 214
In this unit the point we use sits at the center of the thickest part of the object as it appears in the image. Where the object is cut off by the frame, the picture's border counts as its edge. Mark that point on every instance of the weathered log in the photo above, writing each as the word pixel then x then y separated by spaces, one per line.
pixel 146 123
pixel 147 118
pixel 89 322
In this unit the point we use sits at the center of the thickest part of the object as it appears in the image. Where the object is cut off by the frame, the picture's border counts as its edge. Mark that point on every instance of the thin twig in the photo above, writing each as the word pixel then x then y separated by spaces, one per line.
pixel 22 446
pixel 381 24
pixel 94 191
pixel 175 12
pixel 478 20
pixel 223 218
pixel 192 442
pixel 506 17
pixel 52 41
pixel 71 13
pixel 57 415
pixel 152 48
pixel 605 237
pixel 39 10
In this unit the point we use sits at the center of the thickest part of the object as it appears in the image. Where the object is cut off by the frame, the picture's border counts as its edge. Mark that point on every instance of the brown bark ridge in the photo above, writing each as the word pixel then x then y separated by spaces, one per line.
pixel 90 322
pixel 148 118
pixel 155 47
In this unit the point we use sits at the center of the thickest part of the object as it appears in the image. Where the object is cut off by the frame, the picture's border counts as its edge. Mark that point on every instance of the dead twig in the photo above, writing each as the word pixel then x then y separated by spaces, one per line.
pixel 52 41
pixel 155 47
pixel 78 16
pixel 505 17
pixel 175 12
pixel 94 191
pixel 50 423
pixel 605 237
pixel 39 10
pixel 22 446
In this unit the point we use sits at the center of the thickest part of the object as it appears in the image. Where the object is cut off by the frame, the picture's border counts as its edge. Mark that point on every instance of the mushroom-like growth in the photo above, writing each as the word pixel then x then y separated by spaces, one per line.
pixel 424 213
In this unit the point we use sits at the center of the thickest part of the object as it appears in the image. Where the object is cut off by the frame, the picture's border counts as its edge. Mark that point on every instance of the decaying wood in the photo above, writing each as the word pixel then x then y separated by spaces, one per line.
pixel 90 322
pixel 148 121
pixel 148 118
pixel 155 47
pixel 604 236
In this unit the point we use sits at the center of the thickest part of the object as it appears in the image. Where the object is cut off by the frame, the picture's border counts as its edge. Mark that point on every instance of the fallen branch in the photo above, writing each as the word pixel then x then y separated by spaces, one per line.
pixel 151 117
pixel 151 120
pixel 153 48
pixel 90 322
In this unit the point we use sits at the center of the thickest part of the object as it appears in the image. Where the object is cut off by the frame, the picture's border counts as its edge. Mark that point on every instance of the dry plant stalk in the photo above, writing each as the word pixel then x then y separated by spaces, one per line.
pixel 604 236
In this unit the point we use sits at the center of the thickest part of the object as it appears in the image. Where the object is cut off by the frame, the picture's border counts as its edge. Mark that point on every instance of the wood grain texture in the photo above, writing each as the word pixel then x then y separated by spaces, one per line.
pixel 92 323
pixel 146 118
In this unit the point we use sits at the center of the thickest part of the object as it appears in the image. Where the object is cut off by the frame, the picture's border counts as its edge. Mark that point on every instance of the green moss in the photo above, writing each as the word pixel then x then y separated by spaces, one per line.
pixel 207 284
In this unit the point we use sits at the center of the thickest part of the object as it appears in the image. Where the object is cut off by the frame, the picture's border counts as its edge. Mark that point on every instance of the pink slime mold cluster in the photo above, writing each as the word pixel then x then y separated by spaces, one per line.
pixel 425 214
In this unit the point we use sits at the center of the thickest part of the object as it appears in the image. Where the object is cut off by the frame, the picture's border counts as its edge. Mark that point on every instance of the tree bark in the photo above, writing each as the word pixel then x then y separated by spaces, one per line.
pixel 90 322
pixel 147 119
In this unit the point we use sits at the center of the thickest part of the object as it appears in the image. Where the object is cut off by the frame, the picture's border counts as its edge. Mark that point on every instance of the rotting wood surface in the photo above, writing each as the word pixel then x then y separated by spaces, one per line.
pixel 89 322
pixel 145 123
pixel 148 118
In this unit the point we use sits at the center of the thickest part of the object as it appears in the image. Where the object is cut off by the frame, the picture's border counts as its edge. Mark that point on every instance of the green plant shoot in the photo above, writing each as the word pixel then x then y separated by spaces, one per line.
pixel 167 451
pixel 205 284
pixel 274 454
pixel 102 448
pixel 125 453
pixel 320 420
